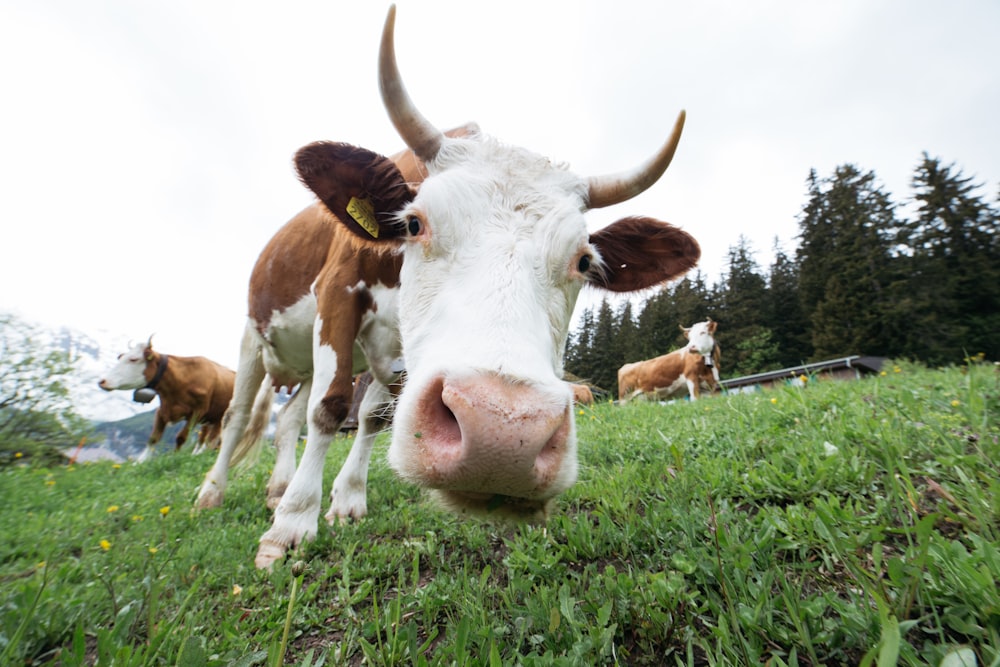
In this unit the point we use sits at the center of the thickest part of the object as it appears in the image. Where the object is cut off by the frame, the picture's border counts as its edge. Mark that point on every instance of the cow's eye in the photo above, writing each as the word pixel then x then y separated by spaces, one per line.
pixel 584 264
pixel 413 225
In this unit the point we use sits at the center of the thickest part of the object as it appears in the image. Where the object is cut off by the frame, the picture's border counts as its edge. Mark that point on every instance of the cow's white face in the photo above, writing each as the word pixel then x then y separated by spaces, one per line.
pixel 127 373
pixel 700 337
pixel 490 275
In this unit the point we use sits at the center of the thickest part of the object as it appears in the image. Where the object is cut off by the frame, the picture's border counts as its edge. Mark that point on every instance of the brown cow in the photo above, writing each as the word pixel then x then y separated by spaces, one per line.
pixel 582 395
pixel 685 369
pixel 468 255
pixel 194 389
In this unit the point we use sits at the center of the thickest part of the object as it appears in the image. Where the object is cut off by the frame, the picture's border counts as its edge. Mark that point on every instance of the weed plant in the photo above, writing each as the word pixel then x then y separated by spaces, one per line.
pixel 832 523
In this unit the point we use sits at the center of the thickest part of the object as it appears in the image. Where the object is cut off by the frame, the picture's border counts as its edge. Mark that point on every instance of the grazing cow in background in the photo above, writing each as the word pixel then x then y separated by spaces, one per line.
pixel 194 389
pixel 582 394
pixel 684 369
pixel 474 274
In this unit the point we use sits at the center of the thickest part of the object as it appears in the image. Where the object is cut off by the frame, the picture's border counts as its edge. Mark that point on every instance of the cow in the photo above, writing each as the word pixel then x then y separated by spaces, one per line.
pixel 684 369
pixel 459 263
pixel 582 395
pixel 195 390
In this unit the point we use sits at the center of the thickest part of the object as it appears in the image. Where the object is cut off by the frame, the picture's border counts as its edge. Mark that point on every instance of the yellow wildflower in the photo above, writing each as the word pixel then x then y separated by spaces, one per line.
pixel 165 510
pixel 774 400
pixel 50 482
pixel 136 517
pixel 237 589
pixel 153 550
pixel 18 455
pixel 883 374
pixel 803 379
pixel 897 369
pixel 105 544
pixel 955 403
pixel 581 412
pixel 112 509
pixel 116 466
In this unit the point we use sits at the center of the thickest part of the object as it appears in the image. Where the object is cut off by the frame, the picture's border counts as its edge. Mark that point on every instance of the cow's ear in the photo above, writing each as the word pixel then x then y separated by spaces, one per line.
pixel 639 253
pixel 364 190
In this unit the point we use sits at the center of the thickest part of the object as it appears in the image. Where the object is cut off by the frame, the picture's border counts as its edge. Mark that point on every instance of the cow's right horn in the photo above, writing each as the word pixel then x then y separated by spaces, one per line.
pixel 419 134
pixel 616 188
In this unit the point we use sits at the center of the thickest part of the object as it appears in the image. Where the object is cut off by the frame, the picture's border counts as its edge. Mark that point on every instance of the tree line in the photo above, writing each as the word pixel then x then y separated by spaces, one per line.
pixel 867 277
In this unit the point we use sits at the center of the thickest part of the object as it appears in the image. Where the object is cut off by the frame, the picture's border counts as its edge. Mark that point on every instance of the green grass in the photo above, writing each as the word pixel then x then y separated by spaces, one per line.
pixel 840 523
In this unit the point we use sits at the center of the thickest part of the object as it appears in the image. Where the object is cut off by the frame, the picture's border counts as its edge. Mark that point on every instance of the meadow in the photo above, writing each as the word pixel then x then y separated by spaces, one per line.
pixel 839 523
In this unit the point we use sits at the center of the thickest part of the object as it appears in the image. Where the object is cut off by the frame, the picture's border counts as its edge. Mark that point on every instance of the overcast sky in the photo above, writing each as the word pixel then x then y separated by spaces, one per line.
pixel 145 147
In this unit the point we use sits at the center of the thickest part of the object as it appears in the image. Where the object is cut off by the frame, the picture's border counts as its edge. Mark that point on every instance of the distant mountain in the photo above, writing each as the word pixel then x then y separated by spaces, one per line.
pixel 127 438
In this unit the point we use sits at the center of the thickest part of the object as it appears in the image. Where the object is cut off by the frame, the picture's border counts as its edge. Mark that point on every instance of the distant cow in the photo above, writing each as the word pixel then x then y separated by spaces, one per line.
pixel 686 369
pixel 468 254
pixel 194 389
pixel 582 395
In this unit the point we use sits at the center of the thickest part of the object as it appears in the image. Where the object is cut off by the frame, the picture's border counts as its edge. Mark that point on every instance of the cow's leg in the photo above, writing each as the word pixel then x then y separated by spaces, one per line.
pixel 694 387
pixel 159 424
pixel 286 437
pixel 297 516
pixel 199 444
pixel 249 377
pixel 183 434
pixel 348 496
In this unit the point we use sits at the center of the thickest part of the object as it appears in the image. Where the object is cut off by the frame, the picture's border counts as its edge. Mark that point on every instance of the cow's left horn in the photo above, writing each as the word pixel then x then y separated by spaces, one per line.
pixel 616 188
pixel 415 130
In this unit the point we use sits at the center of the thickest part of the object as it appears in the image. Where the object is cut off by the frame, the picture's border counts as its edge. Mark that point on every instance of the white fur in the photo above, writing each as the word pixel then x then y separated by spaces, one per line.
pixel 491 285
pixel 127 372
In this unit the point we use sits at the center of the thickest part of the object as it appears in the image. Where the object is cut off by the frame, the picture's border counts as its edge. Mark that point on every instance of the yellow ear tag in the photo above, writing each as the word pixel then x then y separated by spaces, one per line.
pixel 364 214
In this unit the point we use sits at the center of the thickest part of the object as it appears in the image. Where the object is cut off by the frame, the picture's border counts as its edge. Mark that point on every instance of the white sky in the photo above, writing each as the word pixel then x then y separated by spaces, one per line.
pixel 145 147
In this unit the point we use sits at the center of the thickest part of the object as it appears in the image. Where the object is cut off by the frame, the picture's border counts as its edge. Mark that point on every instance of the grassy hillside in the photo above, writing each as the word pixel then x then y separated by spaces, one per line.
pixel 840 523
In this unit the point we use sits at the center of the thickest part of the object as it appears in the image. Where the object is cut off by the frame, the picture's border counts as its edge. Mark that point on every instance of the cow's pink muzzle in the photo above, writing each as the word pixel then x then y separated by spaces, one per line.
pixel 488 443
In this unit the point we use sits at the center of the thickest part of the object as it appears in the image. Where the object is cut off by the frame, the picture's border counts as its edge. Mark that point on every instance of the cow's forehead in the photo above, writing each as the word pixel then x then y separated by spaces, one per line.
pixel 699 329
pixel 474 172
pixel 136 349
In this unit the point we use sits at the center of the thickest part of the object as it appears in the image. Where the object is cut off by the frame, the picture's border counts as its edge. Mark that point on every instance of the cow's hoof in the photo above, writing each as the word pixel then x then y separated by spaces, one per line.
pixel 209 498
pixel 269 553
pixel 342 516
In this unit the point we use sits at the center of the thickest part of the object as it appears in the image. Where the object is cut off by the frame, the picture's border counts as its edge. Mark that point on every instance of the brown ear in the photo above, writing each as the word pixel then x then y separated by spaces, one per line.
pixel 642 252
pixel 364 190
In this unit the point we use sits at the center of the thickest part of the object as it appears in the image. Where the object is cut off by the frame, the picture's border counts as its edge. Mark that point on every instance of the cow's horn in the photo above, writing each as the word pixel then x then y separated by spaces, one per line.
pixel 415 130
pixel 616 188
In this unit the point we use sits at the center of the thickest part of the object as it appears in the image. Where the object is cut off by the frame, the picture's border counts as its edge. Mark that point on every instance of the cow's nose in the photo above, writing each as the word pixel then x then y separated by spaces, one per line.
pixel 487 434
pixel 103 384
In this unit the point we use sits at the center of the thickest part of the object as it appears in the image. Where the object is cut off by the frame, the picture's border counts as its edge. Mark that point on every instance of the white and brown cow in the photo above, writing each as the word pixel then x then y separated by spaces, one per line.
pixel 686 369
pixel 195 390
pixel 474 275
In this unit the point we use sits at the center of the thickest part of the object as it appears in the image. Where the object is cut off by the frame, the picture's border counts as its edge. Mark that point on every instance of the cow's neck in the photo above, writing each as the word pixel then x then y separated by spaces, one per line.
pixel 161 368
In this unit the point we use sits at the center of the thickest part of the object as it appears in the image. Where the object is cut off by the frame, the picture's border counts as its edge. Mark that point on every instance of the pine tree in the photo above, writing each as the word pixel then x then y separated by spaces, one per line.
pixel 603 348
pixel 847 231
pixel 744 332
pixel 954 243
pixel 789 327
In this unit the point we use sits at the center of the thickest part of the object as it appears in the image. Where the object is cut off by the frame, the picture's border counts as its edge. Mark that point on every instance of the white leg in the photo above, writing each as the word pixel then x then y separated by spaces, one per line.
pixel 296 517
pixel 286 437
pixel 249 377
pixel 693 389
pixel 348 496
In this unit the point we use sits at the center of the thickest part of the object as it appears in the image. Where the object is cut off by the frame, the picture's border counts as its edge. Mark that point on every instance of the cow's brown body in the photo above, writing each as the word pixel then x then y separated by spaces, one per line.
pixel 683 371
pixel 195 390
